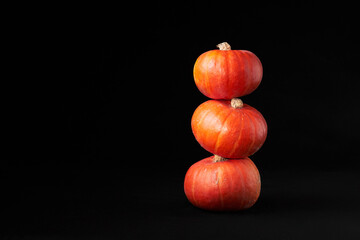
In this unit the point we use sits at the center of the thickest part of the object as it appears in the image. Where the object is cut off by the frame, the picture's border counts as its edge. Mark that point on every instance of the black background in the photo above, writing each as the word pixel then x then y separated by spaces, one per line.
pixel 118 140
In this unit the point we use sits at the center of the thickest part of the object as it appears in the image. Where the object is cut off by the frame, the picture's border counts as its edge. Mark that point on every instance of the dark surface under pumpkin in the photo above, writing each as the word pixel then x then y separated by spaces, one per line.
pixel 107 205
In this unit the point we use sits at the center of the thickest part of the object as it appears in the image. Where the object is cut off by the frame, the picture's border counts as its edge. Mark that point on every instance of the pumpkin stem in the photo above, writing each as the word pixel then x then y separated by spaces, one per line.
pixel 224 46
pixel 218 158
pixel 236 103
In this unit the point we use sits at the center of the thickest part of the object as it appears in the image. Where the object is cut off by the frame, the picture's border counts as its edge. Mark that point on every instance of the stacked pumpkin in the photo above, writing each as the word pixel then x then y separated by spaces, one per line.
pixel 229 129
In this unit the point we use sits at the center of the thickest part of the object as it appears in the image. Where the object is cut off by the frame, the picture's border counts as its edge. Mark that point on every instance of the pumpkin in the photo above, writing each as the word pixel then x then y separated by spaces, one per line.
pixel 230 129
pixel 220 184
pixel 226 73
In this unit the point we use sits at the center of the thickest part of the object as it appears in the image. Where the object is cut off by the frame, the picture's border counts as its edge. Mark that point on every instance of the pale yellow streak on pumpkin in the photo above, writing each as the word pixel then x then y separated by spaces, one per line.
pixel 203 116
pixel 236 143
pixel 219 188
pixel 222 127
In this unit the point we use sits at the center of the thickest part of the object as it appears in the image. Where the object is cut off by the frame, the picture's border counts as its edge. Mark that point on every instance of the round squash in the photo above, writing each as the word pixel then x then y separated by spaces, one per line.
pixel 229 129
pixel 226 73
pixel 218 184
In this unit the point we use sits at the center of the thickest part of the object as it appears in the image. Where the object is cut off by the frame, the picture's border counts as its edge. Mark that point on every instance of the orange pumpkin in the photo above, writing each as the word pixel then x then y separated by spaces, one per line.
pixel 229 129
pixel 218 184
pixel 226 73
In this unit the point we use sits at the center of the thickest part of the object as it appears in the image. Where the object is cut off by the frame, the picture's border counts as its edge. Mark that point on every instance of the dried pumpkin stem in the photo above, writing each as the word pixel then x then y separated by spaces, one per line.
pixel 236 103
pixel 224 46
pixel 218 158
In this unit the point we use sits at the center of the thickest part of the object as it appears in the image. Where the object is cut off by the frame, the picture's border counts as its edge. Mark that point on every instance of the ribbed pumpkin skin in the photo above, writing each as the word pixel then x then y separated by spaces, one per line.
pixel 223 186
pixel 227 74
pixel 226 131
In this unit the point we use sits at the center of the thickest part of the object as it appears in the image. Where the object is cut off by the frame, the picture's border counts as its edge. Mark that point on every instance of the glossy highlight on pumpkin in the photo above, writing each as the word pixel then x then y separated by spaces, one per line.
pixel 225 74
pixel 227 131
pixel 229 185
